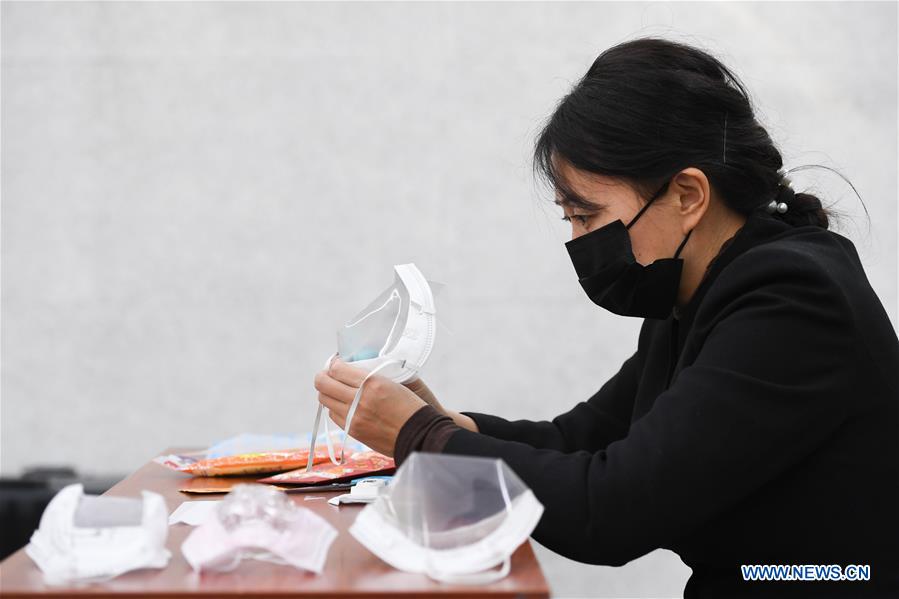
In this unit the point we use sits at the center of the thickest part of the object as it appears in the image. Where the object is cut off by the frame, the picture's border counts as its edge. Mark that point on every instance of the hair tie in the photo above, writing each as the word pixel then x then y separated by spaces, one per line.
pixel 780 202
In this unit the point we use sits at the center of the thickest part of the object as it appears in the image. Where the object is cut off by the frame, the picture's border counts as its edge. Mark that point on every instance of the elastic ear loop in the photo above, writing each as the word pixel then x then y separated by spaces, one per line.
pixel 349 417
pixel 643 209
pixel 647 204
pixel 318 417
pixel 683 243
pixel 478 578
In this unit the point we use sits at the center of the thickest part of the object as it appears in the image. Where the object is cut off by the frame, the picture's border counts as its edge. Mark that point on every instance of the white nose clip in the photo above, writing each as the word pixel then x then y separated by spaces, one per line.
pixel 387 336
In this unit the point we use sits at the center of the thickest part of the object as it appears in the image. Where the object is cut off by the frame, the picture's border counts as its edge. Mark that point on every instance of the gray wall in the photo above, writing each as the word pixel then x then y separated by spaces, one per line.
pixel 196 195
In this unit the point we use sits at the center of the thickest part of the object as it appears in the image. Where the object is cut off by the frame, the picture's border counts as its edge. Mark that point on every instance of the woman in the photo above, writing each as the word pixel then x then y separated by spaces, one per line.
pixel 757 422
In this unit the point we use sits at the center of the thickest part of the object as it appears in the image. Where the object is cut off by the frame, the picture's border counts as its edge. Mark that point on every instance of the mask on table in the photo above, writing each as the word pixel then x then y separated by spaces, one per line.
pixel 259 522
pixel 454 518
pixel 95 538
pixel 393 335
pixel 609 272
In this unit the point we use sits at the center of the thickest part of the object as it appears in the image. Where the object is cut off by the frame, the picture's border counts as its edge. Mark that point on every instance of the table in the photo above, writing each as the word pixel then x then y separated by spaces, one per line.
pixel 350 571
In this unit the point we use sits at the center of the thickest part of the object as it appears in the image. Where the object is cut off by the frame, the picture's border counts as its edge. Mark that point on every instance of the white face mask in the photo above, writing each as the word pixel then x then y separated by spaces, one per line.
pixel 399 326
pixel 259 522
pixel 393 335
pixel 94 538
pixel 450 517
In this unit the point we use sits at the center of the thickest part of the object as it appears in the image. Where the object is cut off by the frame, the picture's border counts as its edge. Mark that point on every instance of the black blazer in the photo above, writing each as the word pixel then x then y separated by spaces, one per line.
pixel 758 426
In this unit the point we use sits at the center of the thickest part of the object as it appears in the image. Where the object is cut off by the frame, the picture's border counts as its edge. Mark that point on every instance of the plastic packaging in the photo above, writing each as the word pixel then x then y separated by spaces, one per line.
pixel 259 522
pixel 356 465
pixel 243 464
pixel 451 517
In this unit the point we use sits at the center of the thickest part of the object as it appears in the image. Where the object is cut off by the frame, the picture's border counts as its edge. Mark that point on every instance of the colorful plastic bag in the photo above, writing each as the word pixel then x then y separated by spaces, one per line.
pixel 244 464
pixel 358 464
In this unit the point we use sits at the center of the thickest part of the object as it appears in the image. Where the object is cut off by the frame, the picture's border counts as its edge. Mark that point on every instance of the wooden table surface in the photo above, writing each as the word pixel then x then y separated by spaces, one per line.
pixel 350 570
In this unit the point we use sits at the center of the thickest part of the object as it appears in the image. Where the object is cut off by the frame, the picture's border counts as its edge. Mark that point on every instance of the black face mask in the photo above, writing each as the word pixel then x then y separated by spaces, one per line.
pixel 612 277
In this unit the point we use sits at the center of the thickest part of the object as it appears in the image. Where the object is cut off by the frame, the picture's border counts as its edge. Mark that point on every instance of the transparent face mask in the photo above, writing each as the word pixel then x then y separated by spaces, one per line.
pixel 393 336
pixel 96 538
pixel 444 502
pixel 376 329
pixel 452 517
pixel 259 522
pixel 373 331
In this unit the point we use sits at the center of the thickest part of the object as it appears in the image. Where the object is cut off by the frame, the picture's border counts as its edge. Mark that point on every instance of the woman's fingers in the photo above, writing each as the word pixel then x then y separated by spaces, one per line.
pixel 336 408
pixel 337 387
pixel 346 374
pixel 325 383
pixel 384 408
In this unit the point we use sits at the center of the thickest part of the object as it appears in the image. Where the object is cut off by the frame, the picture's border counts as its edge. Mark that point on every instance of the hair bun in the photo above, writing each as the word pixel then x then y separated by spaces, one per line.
pixel 785 193
pixel 801 208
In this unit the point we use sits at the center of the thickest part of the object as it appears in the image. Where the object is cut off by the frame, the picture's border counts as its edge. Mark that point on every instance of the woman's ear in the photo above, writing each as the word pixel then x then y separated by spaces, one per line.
pixel 693 191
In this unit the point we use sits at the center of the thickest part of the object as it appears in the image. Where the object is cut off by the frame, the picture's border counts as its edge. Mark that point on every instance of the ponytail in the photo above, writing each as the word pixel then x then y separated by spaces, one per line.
pixel 798 209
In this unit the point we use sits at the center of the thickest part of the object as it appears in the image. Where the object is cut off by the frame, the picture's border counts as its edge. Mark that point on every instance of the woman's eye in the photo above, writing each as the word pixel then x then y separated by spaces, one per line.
pixel 581 218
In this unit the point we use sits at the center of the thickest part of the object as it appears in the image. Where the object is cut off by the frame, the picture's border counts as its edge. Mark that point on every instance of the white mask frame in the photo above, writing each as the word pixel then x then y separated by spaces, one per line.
pixel 472 563
pixel 66 549
pixel 409 352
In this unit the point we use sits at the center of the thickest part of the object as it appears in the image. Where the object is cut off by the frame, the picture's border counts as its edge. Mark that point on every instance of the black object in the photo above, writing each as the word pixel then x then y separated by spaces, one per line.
pixel 609 272
pixel 23 499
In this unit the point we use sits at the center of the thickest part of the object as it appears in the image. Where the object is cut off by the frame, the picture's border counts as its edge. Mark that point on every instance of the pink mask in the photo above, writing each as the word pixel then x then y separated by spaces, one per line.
pixel 259 522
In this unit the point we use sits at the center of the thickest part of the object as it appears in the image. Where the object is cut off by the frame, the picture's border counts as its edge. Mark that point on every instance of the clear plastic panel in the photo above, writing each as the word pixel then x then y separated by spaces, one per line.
pixel 96 511
pixel 376 329
pixel 368 334
pixel 249 503
pixel 446 501
pixel 256 443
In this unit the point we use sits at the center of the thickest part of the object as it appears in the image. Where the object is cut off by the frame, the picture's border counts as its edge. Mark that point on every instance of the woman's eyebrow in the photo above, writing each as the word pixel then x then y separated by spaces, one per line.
pixel 570 198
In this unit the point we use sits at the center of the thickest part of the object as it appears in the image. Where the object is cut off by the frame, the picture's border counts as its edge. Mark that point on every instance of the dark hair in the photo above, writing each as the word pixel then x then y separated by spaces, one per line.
pixel 648 108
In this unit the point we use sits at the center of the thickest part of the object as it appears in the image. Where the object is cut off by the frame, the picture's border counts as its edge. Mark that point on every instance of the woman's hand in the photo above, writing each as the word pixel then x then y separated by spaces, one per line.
pixel 418 386
pixel 383 409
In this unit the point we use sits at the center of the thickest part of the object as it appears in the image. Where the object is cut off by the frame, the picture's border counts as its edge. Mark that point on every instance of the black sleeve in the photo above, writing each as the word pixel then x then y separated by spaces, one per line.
pixel 590 425
pixel 765 389
pixel 426 430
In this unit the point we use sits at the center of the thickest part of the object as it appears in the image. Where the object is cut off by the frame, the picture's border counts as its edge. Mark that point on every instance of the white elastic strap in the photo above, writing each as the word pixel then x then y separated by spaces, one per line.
pixel 479 578
pixel 396 321
pixel 352 411
pixel 318 418
pixel 349 417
